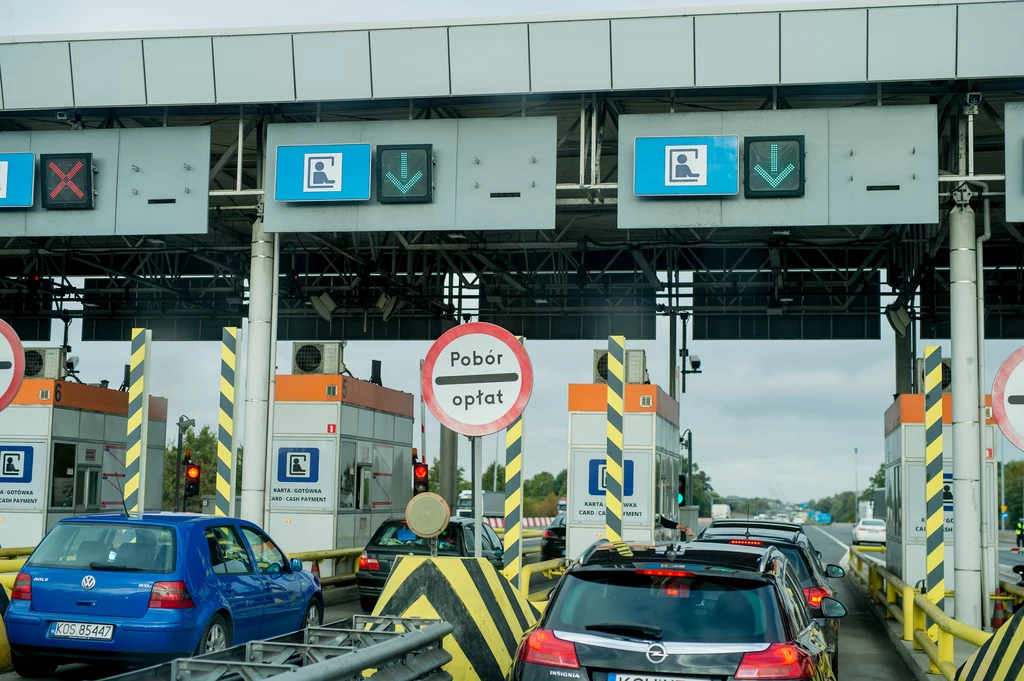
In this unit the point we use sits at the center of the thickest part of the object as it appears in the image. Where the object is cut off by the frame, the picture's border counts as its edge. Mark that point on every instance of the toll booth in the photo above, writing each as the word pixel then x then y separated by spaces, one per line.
pixel 905 507
pixel 651 464
pixel 341 461
pixel 62 453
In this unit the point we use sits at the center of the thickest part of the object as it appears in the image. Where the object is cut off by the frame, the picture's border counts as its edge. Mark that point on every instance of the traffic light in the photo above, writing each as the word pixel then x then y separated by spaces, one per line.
pixel 405 173
pixel 419 478
pixel 66 181
pixel 773 167
pixel 192 476
pixel 681 493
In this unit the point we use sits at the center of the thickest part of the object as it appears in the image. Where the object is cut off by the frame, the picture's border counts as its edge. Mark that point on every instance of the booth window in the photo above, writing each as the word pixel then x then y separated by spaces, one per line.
pixel 347 487
pixel 63 488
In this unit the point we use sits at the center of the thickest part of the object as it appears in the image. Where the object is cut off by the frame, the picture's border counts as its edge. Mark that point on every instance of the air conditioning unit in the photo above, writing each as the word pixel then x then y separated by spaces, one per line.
pixel 318 358
pixel 947 376
pixel 635 369
pixel 46 363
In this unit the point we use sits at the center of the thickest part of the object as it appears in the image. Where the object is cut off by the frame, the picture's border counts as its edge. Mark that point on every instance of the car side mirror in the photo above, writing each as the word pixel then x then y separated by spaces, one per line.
pixel 835 572
pixel 832 609
pixel 1019 569
pixel 296 565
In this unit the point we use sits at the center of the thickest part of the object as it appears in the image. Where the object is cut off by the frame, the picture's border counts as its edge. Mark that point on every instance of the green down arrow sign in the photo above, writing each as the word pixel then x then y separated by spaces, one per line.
pixel 773 176
pixel 404 183
pixel 774 166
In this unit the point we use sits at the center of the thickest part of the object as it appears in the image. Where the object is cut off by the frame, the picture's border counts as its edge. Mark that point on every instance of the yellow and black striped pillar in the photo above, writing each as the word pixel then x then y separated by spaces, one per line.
pixel 514 501
pixel 138 423
pixel 935 549
pixel 613 460
pixel 226 428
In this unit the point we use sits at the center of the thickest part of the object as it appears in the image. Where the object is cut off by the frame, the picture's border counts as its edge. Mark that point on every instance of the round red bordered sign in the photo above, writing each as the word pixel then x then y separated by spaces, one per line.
pixel 12 364
pixel 1008 398
pixel 477 378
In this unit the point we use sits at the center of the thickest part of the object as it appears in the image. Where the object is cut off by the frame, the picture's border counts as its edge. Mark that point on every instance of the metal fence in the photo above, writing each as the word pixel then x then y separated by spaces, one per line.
pixel 362 647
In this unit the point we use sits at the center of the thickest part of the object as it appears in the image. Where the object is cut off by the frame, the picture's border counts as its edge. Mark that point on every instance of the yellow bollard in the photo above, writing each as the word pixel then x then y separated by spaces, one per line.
pixel 890 599
pixel 945 647
pixel 920 622
pixel 908 613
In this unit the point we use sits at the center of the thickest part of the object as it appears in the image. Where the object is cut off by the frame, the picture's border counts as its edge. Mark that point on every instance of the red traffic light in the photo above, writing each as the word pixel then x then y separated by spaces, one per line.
pixel 420 471
pixel 192 472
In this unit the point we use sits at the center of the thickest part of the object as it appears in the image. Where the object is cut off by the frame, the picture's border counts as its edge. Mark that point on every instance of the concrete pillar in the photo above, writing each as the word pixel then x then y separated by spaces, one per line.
pixel 257 373
pixel 904 363
pixel 966 453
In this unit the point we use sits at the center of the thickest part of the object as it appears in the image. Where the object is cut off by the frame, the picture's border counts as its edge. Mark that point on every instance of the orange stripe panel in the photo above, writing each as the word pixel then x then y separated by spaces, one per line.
pixel 85 398
pixel 593 397
pixel 313 388
pixel 910 409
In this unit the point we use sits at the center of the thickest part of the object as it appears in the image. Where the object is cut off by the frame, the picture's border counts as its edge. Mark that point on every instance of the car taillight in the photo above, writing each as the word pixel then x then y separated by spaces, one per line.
pixel 170 596
pixel 746 542
pixel 541 647
pixel 22 588
pixel 780 661
pixel 665 573
pixel 366 563
pixel 548 534
pixel 814 595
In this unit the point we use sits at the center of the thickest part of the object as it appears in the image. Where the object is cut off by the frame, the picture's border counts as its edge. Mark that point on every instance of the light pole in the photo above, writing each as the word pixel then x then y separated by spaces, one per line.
pixel 686 440
pixel 856 497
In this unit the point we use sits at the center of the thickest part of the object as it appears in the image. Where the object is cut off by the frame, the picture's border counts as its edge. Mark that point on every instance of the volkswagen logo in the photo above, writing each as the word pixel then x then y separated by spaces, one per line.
pixel 89 582
pixel 656 653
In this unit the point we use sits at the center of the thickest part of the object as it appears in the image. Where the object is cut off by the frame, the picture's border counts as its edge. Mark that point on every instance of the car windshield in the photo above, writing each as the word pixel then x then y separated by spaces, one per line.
pixel 683 608
pixel 115 547
pixel 873 523
pixel 397 535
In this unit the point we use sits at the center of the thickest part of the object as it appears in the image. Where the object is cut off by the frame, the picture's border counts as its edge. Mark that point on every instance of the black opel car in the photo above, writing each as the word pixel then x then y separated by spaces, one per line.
pixel 696 610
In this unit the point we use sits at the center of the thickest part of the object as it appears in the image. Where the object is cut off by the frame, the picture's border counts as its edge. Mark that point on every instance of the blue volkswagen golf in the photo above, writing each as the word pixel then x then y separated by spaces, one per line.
pixel 137 592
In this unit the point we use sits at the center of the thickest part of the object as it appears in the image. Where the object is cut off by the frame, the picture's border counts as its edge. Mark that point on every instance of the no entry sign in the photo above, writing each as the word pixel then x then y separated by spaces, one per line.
pixel 1008 398
pixel 12 364
pixel 477 378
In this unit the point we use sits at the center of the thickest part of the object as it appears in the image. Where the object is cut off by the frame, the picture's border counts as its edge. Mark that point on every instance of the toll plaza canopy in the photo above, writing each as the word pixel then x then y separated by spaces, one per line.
pixel 775 170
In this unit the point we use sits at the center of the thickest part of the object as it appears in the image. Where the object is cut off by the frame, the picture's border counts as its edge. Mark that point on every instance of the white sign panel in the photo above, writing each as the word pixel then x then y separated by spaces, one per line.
pixel 22 476
pixel 303 475
pixel 587 488
pixel 477 378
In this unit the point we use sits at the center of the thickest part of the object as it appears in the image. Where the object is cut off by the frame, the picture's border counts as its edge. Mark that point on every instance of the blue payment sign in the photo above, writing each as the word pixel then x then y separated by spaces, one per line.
pixel 324 172
pixel 15 464
pixel 298 464
pixel 17 180
pixel 686 166
pixel 599 474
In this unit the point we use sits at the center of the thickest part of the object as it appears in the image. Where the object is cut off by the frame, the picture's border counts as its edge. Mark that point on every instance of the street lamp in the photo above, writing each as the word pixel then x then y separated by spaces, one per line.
pixel 686 440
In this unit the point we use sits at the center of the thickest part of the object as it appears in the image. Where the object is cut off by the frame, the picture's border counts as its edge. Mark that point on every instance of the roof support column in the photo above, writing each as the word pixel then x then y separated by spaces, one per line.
pixel 966 454
pixel 258 368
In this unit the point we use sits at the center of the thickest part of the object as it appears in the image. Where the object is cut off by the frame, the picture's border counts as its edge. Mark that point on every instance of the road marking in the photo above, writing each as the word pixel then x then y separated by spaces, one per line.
pixel 846 547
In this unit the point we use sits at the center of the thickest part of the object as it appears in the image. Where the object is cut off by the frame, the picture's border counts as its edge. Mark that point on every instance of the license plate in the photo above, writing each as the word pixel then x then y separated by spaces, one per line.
pixel 647 677
pixel 87 632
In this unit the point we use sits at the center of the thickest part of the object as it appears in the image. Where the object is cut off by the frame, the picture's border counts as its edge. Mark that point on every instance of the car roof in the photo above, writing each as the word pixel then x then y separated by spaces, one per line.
pixel 766 524
pixel 166 518
pixel 768 534
pixel 746 559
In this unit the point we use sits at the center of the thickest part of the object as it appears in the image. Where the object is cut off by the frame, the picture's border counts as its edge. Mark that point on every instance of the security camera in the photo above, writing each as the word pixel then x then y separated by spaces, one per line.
pixel 974 98
pixel 71 363
pixel 695 362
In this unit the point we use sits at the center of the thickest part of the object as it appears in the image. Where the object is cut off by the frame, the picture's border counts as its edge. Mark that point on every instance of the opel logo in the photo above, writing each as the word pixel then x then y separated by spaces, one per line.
pixel 656 653
pixel 89 582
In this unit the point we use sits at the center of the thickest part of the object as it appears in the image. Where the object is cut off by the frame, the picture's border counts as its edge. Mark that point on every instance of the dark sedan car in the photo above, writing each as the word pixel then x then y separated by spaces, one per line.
pixel 552 544
pixel 815 580
pixel 394 538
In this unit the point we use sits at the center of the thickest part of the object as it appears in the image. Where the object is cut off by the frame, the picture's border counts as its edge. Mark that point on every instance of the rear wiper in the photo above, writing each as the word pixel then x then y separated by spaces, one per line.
pixel 634 630
pixel 114 568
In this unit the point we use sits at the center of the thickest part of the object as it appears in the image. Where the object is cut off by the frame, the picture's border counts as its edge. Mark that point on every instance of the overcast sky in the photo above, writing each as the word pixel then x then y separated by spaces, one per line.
pixel 776 418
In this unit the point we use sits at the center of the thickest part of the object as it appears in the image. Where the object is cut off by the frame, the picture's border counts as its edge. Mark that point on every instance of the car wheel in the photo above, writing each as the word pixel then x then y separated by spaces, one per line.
pixel 314 616
pixel 216 636
pixel 32 668
pixel 367 603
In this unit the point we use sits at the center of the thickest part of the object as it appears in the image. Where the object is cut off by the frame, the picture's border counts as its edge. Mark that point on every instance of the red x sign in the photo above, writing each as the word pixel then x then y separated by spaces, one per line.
pixel 65 180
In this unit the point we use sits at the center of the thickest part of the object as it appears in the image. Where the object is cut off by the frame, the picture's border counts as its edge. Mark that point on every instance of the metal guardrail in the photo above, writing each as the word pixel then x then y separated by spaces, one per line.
pixel 530 570
pixel 912 610
pixel 20 552
pixel 363 647
pixel 336 555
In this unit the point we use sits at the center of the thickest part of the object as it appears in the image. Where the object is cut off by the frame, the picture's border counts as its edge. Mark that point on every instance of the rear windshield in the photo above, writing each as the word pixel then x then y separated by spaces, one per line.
pixel 798 560
pixel 873 523
pixel 399 536
pixel 701 609
pixel 107 546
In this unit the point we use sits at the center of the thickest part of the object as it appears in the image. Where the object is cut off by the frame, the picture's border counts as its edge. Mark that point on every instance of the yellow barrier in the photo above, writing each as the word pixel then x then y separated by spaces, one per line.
pixel 527 534
pixel 912 609
pixel 22 552
pixel 336 555
pixel 533 568
pixel 11 564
